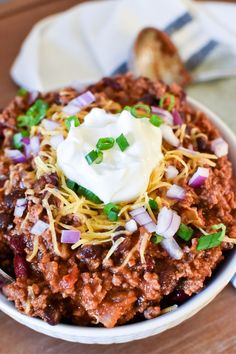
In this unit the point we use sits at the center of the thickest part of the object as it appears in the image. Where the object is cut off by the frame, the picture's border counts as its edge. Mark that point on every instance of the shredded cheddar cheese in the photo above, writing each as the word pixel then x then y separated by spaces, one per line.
pixel 114 247
pixel 35 249
pixel 90 220
pixel 229 239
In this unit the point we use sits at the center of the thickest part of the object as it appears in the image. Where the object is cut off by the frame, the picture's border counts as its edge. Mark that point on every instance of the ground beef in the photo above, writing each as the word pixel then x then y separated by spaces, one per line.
pixel 81 287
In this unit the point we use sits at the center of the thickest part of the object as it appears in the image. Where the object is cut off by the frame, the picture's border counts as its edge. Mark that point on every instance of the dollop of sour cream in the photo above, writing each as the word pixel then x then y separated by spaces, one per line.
pixel 121 176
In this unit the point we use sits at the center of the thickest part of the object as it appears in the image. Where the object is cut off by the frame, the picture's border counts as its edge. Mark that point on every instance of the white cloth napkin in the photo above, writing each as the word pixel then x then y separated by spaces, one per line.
pixel 92 40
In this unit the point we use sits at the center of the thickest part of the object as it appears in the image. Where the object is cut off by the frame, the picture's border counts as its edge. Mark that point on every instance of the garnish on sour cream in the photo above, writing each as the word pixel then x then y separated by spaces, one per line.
pixel 122 175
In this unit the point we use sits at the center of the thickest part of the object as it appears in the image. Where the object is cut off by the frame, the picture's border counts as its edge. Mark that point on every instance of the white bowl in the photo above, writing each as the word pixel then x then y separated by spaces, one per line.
pixel 127 333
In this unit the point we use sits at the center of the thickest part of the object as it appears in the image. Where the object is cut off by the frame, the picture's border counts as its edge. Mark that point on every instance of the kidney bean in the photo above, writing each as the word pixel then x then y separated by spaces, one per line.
pixel 17 244
pixel 56 98
pixel 52 179
pixel 52 314
pixel 201 144
pixel 20 266
pixel 48 179
pixel 90 252
pixel 112 83
pixel 178 296
pixel 150 99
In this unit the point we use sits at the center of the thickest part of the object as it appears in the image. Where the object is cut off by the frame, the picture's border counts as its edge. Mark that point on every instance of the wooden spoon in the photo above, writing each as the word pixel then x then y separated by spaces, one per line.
pixel 155 56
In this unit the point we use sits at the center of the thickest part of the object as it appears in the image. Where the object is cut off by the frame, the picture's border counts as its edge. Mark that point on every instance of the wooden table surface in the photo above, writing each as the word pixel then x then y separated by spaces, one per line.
pixel 211 331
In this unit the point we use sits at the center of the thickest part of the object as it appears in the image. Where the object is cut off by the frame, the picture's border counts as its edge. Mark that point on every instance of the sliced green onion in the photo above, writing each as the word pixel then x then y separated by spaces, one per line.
pixel 94 156
pixel 212 240
pixel 99 158
pixel 71 119
pixel 156 239
pixel 70 184
pixel 146 110
pixel 112 215
pixel 153 204
pixel 34 114
pixel 185 232
pixel 91 157
pixel 127 108
pixel 105 143
pixel 23 121
pixel 89 195
pixel 171 100
pixel 111 207
pixel 22 92
pixel 209 241
pixel 156 120
pixel 18 137
pixel 111 210
pixel 122 142
pixel 219 226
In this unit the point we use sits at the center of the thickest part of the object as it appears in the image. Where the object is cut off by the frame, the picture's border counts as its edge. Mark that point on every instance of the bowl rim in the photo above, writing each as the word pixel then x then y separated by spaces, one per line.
pixel 145 328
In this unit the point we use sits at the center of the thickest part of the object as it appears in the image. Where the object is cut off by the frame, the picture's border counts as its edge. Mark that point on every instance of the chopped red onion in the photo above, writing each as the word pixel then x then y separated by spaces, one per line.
pixel 70 109
pixel 35 145
pixel 168 222
pixel 168 118
pixel 32 97
pixel 70 236
pixel 172 248
pixel 220 147
pixel 167 225
pixel 15 155
pixel 19 211
pixel 21 202
pixel 84 100
pixel 177 117
pixel 164 220
pixel 150 227
pixel 131 226
pixel 169 135
pixel 137 211
pixel 176 192
pixel 31 145
pixel 20 207
pixel 174 226
pixel 25 140
pixel 199 177
pixel 39 228
pixel 50 125
pixel 22 185
pixel 143 219
pixel 79 102
pixel 56 140
pixel 171 172
pixel 27 151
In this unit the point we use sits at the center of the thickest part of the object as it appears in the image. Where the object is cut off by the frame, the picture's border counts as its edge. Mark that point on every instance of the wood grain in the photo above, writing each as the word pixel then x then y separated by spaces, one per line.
pixel 211 331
